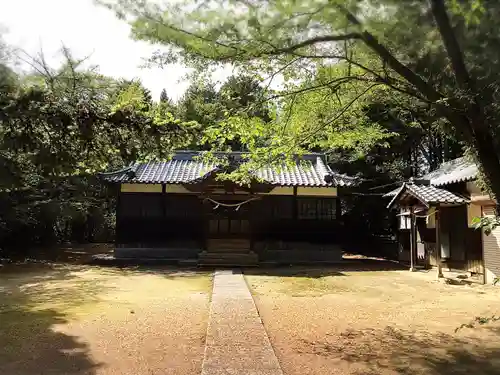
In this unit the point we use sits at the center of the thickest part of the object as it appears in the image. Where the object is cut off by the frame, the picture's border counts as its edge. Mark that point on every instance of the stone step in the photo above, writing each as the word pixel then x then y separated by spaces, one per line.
pixel 228 259
pixel 225 263
pixel 227 250
pixel 235 255
pixel 228 244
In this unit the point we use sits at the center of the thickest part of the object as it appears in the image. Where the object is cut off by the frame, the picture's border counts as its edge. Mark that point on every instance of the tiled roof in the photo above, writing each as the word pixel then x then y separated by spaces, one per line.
pixel 185 167
pixel 450 172
pixel 427 194
pixel 391 193
pixel 453 171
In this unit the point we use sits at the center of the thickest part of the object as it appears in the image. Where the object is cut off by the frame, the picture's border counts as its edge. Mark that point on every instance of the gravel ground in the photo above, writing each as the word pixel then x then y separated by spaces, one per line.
pixel 369 322
pixel 95 321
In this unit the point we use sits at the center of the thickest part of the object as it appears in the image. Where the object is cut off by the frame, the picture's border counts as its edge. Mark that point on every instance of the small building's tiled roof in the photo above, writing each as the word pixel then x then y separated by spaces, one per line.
pixel 450 172
pixel 453 171
pixel 427 194
pixel 391 193
pixel 187 167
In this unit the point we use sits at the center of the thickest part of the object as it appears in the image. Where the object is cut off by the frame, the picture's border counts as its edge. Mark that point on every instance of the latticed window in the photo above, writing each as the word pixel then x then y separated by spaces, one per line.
pixel 327 209
pixel 317 208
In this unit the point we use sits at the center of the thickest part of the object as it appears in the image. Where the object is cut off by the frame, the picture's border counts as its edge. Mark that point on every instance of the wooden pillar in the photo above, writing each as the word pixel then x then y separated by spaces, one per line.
pixel 295 207
pixel 413 239
pixel 438 242
pixel 164 200
pixel 118 218
pixel 250 220
pixel 205 222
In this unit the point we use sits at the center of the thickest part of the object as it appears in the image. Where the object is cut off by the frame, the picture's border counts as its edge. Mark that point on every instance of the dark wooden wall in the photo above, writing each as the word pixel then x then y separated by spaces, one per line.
pixel 151 218
pixel 311 219
pixel 155 218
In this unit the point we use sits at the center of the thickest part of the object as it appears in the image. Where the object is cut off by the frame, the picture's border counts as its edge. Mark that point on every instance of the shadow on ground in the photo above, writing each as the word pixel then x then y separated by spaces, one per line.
pixel 168 272
pixel 395 351
pixel 324 270
pixel 294 271
pixel 84 254
pixel 68 254
pixel 29 340
pixel 41 304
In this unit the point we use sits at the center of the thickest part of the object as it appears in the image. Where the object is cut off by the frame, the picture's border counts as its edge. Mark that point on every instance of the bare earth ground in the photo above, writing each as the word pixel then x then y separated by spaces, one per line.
pixel 78 320
pixel 340 321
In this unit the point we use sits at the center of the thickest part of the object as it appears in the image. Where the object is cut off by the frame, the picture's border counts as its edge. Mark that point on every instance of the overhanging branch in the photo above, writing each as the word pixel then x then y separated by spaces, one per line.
pixel 322 85
pixel 341 112
pixel 451 44
pixel 317 40
pixel 387 57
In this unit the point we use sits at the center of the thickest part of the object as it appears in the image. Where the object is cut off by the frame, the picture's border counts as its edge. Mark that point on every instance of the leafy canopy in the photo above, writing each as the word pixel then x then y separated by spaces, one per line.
pixel 58 128
pixel 425 50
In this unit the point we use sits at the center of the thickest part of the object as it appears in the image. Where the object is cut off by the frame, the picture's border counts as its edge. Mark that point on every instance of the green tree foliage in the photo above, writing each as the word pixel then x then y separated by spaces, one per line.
pixel 334 118
pixel 243 93
pixel 163 96
pixel 215 109
pixel 58 129
pixel 200 103
pixel 168 104
pixel 8 78
pixel 425 50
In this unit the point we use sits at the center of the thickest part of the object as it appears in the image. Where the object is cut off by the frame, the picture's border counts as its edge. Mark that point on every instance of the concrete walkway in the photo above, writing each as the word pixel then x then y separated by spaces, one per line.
pixel 237 343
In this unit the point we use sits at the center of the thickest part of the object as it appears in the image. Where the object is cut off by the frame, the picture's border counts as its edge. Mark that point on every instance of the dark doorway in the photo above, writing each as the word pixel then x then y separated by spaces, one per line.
pixel 229 222
pixel 222 227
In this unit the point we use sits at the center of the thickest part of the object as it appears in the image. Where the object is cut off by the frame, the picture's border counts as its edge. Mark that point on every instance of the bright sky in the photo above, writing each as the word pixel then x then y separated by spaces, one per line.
pixel 87 29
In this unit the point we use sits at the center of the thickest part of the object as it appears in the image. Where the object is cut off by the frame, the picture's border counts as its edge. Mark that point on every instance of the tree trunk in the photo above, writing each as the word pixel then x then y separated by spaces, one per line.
pixel 489 159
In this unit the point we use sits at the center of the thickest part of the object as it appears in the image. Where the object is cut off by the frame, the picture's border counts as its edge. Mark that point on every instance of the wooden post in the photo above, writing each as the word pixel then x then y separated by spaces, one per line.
pixel 205 222
pixel 413 240
pixel 118 219
pixel 438 242
pixel 295 207
pixel 250 221
pixel 164 201
pixel 483 265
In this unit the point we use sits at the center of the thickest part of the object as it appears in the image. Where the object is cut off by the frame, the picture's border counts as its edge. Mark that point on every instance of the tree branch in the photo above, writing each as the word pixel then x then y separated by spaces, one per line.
pixel 414 79
pixel 281 24
pixel 389 81
pixel 464 80
pixel 322 85
pixel 387 57
pixel 316 40
pixel 451 44
pixel 400 68
pixel 274 74
pixel 186 32
pixel 341 113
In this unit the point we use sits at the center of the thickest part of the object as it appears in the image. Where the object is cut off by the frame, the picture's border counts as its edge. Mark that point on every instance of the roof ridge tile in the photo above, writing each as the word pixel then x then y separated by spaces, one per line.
pixel 309 172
